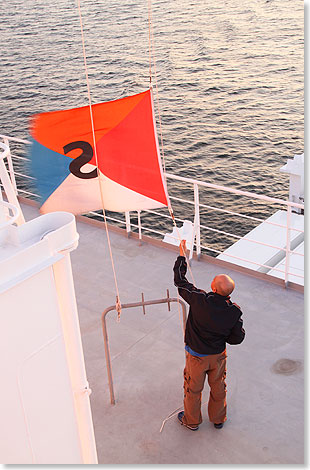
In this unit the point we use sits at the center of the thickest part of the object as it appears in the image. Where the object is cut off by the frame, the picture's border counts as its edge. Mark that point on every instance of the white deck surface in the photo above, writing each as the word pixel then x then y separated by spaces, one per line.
pixel 265 409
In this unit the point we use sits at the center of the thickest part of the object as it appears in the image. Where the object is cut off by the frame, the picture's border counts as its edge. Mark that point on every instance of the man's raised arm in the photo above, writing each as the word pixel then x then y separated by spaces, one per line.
pixel 185 288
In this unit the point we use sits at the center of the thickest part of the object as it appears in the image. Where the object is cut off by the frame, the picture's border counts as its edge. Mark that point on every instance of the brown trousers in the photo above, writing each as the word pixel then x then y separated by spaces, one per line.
pixel 196 369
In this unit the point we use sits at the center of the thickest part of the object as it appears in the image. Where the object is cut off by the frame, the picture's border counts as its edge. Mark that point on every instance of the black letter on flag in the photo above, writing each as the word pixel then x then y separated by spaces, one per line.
pixel 80 161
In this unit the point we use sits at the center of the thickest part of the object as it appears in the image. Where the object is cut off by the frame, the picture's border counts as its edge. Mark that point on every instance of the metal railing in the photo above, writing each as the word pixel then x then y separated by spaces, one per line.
pixel 8 182
pixel 7 208
pixel 199 228
pixel 168 300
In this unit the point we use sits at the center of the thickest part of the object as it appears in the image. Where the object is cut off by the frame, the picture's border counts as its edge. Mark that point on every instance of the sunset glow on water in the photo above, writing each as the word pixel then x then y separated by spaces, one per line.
pixel 229 73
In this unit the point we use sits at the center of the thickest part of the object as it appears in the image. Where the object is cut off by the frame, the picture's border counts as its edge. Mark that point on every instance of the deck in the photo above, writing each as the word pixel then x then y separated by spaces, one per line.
pixel 264 374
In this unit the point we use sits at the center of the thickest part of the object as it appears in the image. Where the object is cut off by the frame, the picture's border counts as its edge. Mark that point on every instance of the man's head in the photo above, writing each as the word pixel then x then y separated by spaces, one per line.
pixel 222 284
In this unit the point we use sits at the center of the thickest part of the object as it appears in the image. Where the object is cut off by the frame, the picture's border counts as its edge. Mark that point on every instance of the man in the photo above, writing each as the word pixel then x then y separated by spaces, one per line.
pixel 213 321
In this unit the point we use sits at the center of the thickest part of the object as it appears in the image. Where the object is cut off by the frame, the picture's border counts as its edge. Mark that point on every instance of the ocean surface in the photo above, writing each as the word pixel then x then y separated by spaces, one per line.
pixel 229 76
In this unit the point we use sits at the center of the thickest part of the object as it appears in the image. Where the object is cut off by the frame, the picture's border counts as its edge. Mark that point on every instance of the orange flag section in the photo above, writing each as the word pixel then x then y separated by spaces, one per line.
pixel 56 129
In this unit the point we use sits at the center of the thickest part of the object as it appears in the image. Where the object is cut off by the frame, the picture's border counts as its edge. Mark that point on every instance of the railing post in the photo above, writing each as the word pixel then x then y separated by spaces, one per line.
pixel 288 244
pixel 10 163
pixel 139 226
pixel 197 220
pixel 192 242
pixel 127 220
pixel 7 184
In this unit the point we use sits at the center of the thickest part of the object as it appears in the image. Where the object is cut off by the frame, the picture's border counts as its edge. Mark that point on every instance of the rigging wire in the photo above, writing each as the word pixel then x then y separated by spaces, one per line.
pixel 153 61
pixel 118 302
pixel 150 40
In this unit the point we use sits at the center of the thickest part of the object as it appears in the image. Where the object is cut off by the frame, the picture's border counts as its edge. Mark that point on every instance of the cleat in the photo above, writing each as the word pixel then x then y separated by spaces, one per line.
pixel 180 418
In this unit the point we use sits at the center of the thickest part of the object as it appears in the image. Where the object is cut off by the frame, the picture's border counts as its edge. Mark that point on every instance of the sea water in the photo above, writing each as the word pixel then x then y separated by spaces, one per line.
pixel 229 78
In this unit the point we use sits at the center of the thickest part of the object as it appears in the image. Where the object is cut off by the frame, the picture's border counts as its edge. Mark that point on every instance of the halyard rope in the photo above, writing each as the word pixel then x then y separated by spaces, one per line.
pixel 118 302
pixel 151 56
pixel 150 40
pixel 153 60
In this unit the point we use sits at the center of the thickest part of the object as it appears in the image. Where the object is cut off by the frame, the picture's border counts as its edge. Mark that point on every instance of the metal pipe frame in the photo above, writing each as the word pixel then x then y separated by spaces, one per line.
pixel 142 304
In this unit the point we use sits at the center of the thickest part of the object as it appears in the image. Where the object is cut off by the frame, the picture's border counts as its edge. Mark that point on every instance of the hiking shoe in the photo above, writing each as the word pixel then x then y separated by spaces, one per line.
pixel 180 418
pixel 218 425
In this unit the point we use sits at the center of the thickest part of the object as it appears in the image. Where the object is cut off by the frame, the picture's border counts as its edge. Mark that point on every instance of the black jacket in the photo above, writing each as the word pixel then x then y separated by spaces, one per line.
pixel 213 320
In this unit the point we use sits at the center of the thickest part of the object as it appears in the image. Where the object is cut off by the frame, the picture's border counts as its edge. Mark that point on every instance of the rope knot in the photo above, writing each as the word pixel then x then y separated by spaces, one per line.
pixel 118 307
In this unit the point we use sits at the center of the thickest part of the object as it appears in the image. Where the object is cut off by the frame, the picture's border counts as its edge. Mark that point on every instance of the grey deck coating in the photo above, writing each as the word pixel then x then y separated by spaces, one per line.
pixel 265 409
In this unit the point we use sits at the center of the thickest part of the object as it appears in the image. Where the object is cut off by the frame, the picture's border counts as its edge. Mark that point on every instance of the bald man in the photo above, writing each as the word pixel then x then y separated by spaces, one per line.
pixel 213 321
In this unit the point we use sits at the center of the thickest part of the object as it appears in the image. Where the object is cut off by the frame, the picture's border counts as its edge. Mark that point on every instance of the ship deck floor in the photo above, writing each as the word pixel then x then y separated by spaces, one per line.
pixel 265 422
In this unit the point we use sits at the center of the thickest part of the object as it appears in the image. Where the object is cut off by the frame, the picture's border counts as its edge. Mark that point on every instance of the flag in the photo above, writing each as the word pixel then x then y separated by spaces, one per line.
pixel 63 159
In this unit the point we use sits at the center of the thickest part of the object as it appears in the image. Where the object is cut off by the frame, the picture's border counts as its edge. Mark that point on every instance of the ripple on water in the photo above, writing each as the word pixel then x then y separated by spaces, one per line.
pixel 230 78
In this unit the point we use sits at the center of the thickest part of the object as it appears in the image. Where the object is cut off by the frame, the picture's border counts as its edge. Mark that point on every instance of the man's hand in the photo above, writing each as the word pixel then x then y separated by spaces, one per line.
pixel 183 248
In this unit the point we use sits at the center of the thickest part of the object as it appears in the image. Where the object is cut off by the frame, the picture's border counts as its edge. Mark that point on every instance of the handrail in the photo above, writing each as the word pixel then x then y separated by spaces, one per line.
pixel 201 183
pixel 13 218
pixel 289 205
pixel 235 191
pixel 9 182
pixel 15 139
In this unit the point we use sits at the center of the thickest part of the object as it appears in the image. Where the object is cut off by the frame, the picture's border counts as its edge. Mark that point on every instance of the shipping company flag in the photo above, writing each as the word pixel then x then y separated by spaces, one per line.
pixel 64 165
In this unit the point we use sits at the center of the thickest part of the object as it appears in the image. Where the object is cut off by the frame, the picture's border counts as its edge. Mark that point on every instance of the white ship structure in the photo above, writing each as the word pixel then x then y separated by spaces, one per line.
pixel 52 344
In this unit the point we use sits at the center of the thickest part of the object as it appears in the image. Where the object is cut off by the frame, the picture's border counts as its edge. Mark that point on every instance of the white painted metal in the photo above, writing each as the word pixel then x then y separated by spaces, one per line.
pixel 256 250
pixel 38 423
pixel 139 225
pixel 12 174
pixel 295 168
pixel 288 244
pixel 197 219
pixel 127 221
pixel 14 139
pixel 7 183
pixel 48 420
pixel 235 191
pixel 6 219
pixel 74 351
pixel 296 272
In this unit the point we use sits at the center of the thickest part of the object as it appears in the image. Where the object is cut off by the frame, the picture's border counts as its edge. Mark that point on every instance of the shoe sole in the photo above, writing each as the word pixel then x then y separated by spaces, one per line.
pixel 218 426
pixel 186 425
